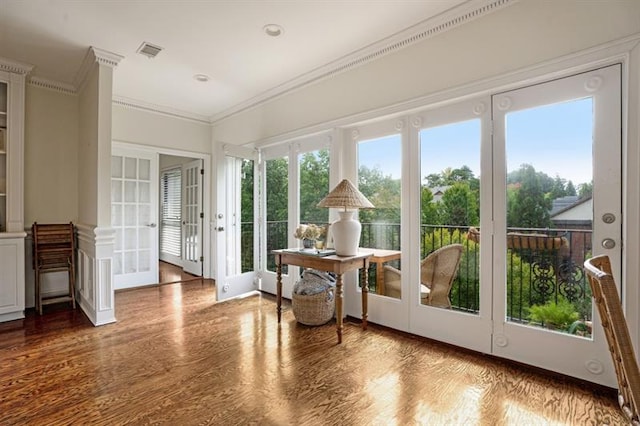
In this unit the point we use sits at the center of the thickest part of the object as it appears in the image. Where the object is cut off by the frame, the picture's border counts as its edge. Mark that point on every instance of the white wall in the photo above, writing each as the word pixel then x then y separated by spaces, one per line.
pixel 147 128
pixel 527 33
pixel 51 156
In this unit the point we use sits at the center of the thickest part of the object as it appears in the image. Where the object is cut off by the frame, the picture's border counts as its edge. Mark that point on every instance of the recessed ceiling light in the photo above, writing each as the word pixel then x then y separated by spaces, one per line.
pixel 273 30
pixel 203 78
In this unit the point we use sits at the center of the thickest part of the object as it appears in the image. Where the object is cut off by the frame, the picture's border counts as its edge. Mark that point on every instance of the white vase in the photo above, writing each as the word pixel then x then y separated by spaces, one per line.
pixel 346 234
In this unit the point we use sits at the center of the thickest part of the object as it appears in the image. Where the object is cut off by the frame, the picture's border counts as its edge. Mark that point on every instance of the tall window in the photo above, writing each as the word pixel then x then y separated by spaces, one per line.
pixel 380 180
pixel 277 171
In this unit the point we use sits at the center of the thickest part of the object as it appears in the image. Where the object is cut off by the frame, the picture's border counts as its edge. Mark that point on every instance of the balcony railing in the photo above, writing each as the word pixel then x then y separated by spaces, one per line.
pixel 543 265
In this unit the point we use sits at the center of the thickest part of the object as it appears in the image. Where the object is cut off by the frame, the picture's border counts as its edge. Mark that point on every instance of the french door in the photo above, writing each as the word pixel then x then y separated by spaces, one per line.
pixel 528 184
pixel 192 217
pixel 570 129
pixel 237 246
pixel 451 151
pixel 134 216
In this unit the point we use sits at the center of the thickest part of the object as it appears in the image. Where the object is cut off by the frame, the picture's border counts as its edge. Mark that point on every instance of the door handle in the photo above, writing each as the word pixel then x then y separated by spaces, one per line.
pixel 220 228
pixel 151 225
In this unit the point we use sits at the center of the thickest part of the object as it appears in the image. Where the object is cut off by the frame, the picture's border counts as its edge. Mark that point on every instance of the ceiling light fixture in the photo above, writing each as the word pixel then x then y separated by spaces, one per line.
pixel 203 78
pixel 273 30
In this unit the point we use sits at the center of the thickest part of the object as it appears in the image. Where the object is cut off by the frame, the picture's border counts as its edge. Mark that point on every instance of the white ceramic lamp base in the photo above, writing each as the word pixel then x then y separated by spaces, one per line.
pixel 346 234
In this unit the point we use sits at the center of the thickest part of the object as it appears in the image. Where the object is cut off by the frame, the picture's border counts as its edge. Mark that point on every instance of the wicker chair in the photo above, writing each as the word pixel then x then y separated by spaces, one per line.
pixel 437 272
pixel 605 294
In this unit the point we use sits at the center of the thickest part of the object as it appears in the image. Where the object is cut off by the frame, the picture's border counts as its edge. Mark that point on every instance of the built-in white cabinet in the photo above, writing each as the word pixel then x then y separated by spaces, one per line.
pixel 12 233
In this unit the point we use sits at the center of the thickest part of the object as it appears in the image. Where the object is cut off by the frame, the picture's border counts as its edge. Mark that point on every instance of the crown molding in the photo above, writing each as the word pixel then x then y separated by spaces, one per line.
pixel 10 65
pixel 66 88
pixel 95 55
pixel 159 109
pixel 431 27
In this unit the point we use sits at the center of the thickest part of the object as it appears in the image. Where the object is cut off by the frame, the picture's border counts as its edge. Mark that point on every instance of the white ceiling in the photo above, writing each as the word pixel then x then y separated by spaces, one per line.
pixel 222 39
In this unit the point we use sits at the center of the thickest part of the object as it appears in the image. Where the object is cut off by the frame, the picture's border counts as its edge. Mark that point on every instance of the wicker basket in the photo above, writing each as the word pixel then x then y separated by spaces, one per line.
pixel 315 309
pixel 313 297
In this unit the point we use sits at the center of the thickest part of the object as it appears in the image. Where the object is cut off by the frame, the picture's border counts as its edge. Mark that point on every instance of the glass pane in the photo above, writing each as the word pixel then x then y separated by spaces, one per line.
pixel 549 215
pixel 117 263
pixel 277 182
pixel 116 166
pixel 130 238
pixel 130 215
pixel 314 186
pixel 116 191
pixel 145 169
pixel 116 215
pixel 450 215
pixel 118 240
pixel 144 260
pixel 144 238
pixel 379 179
pixel 144 194
pixel 144 214
pixel 246 215
pixel 130 192
pixel 130 262
pixel 130 168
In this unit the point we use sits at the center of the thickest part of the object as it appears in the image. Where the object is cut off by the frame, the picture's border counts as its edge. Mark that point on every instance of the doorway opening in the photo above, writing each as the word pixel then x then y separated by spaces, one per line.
pixel 181 218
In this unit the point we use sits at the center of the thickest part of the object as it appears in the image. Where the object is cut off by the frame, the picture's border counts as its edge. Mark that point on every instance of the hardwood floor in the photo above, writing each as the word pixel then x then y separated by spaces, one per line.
pixel 169 273
pixel 176 357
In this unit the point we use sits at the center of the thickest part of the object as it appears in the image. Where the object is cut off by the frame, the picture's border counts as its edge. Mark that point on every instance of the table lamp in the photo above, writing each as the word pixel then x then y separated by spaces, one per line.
pixel 346 230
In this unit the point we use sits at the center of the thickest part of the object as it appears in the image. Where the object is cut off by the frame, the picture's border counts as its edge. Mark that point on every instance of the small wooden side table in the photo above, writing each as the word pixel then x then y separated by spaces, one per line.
pixel 336 264
pixel 380 257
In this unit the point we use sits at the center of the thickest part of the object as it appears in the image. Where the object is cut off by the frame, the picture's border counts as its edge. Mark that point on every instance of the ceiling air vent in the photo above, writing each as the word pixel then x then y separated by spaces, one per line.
pixel 148 49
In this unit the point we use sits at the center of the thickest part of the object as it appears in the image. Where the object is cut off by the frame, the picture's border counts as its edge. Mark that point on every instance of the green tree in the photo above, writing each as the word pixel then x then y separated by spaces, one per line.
pixel 585 190
pixel 459 206
pixel 528 206
pixel 558 188
pixel 314 186
pixel 384 193
pixel 428 208
pixel 246 207
pixel 570 189
pixel 277 189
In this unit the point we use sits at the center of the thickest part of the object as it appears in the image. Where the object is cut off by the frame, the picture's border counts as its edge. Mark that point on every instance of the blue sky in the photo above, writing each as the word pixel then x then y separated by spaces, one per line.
pixel 555 139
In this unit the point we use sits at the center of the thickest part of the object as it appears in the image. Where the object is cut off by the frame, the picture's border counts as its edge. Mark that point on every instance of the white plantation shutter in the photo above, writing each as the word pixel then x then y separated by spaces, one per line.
pixel 170 211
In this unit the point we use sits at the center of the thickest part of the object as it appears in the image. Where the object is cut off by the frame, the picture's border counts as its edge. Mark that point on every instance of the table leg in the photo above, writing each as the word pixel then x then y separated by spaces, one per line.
pixel 279 287
pixel 339 307
pixel 365 293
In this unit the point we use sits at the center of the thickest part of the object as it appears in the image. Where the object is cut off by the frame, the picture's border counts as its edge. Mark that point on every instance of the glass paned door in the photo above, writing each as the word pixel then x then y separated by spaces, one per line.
pixel 236 252
pixel 452 283
pixel 134 213
pixel 557 174
pixel 192 217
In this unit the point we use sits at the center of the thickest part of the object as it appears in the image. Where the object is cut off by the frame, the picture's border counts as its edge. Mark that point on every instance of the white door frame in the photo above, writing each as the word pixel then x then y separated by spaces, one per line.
pixel 206 194
pixel 139 277
pixel 230 284
pixel 192 266
pixel 584 358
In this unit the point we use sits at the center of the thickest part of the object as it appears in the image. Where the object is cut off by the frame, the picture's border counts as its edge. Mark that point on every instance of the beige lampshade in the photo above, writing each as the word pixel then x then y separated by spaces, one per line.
pixel 346 195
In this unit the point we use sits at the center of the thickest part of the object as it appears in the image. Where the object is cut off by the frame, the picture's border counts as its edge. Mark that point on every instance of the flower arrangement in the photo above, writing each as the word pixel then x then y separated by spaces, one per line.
pixel 309 232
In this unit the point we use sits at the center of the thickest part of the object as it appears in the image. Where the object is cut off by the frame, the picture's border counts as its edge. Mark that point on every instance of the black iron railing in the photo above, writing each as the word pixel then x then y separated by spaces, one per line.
pixel 543 265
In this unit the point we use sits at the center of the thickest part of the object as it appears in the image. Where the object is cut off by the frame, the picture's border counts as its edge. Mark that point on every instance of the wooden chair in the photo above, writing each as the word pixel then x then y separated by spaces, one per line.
pixel 53 251
pixel 437 272
pixel 605 294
